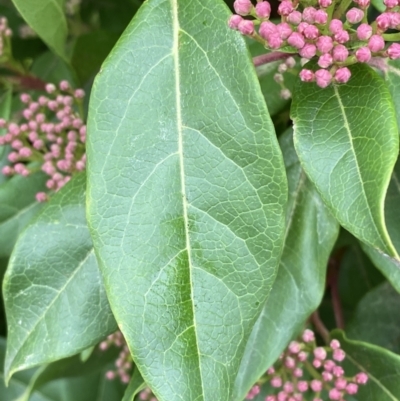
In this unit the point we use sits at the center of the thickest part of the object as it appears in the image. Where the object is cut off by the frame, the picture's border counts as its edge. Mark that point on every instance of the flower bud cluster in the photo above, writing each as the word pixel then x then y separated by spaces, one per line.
pixel 50 132
pixel 313 33
pixel 305 370
pixel 5 34
pixel 123 364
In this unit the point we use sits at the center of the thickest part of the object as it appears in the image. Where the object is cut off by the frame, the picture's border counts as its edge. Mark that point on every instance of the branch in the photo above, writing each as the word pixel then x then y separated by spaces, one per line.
pixel 270 58
pixel 320 327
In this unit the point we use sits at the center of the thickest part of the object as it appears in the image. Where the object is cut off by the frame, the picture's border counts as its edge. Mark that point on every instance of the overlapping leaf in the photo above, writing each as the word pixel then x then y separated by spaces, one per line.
pixel 54 296
pixel 346 137
pixel 311 232
pixel 186 195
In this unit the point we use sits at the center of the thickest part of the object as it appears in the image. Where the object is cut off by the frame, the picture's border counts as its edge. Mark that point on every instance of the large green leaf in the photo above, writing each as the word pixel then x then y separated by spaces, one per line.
pixel 311 232
pixel 54 296
pixel 347 140
pixel 392 75
pixel 15 210
pixel 390 266
pixel 381 365
pixel 186 195
pixel 377 318
pixel 47 19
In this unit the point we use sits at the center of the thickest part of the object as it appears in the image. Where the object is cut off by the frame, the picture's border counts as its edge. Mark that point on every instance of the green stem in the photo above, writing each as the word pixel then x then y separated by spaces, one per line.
pixel 343 6
pixel 391 37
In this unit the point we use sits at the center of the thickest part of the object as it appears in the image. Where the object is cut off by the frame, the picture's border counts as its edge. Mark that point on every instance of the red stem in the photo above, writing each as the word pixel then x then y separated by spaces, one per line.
pixel 333 275
pixel 320 327
pixel 270 57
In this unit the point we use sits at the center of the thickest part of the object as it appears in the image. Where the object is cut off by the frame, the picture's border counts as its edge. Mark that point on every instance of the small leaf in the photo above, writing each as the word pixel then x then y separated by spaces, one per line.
pixel 53 293
pixel 377 319
pixel 382 367
pixel 186 195
pixel 136 385
pixel 47 19
pixel 15 210
pixel 390 266
pixel 347 140
pixel 311 232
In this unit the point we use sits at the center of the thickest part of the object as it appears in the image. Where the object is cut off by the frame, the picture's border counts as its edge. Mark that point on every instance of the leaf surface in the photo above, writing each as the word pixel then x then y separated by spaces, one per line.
pixel 54 296
pixel 311 232
pixel 47 19
pixel 186 195
pixel 346 137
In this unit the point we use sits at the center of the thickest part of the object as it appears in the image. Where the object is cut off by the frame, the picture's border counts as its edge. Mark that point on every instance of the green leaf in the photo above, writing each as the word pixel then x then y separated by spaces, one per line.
pixel 377 319
pixel 379 5
pixel 311 232
pixel 382 367
pixel 47 19
pixel 391 73
pixel 136 385
pixel 15 210
pixel 186 195
pixel 347 140
pixel 389 266
pixel 55 301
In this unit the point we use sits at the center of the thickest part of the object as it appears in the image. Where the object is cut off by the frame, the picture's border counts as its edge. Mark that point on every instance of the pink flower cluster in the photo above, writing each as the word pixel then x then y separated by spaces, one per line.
pixel 312 32
pixel 305 369
pixel 123 364
pixel 5 33
pixel 50 132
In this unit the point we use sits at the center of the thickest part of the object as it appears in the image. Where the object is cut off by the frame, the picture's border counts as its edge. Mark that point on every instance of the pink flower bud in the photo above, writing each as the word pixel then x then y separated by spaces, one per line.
pixel 294 17
pixel 335 394
pixel 302 26
pixel 25 98
pixel 110 375
pixel 284 30
pixel 64 85
pixel 335 26
pixel 308 51
pixel 13 157
pixel 342 76
pixel 390 3
pixel 302 356
pixel 361 378
pixel 290 362
pixel 308 335
pixel 302 386
pixel 267 28
pixel 321 17
pixel 275 41
pixel 311 32
pixel 341 383
pixel 316 362
pixel 25 152
pixel 276 382
pixel 246 27
pixel 327 377
pixel 288 387
pixel 242 7
pixel 363 3
pixel 364 32
pixel 41 197
pixel 306 76
pixel 394 20
pixel 376 43
pixel 338 371
pixel 351 388
pixel 50 88
pixel 363 55
pixel 342 36
pixel 339 354
pixel 324 44
pixel 325 60
pixel 354 15
pixel 285 8
pixel 7 170
pixel 296 40
pixel 383 21
pixel 297 372
pixel 323 79
pixel 27 114
pixel 294 347
pixel 340 53
pixel 320 352
pixel 316 385
pixel 17 144
pixel 325 3
pixel 394 51
pixel 329 365
pixel 21 169
pixel 234 21
pixel 308 14
pixel 263 9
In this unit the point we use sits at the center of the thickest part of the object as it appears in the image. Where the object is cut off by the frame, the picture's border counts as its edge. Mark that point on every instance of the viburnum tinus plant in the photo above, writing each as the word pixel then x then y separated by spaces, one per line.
pixel 199 200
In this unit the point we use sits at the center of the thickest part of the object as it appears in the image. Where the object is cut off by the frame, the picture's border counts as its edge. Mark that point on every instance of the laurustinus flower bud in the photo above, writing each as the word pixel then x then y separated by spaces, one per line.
pixel 324 44
pixel 311 32
pixel 267 29
pixel 246 27
pixel 335 394
pixel 376 43
pixel 383 21
pixel 284 30
pixel 308 14
pixel 306 76
pixel 294 18
pixel 390 3
pixel 316 385
pixel 234 21
pixel 321 17
pixel 339 355
pixel 335 26
pixel 275 41
pixel 263 9
pixel 342 36
pixel 363 3
pixel 320 352
pixel 285 8
pixel 242 7
pixel 361 378
pixel 276 382
pixel 325 60
pixel 354 15
pixel 364 32
pixel 340 53
pixel 351 389
pixel 325 3
pixel 308 335
pixel 394 51
pixel 296 40
pixel 342 75
pixel 302 26
pixel 394 20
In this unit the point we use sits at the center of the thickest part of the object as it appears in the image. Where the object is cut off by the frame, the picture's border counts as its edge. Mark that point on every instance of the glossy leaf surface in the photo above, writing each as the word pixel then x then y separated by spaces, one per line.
pixel 382 367
pixel 47 19
pixel 15 210
pixel 392 76
pixel 311 232
pixel 346 137
pixel 54 296
pixel 186 195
